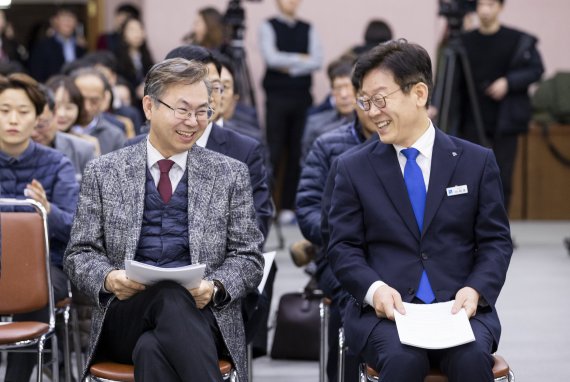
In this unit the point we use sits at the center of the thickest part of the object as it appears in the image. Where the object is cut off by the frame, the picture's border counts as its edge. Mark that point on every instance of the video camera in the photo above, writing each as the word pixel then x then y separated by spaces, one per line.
pixel 235 18
pixel 455 10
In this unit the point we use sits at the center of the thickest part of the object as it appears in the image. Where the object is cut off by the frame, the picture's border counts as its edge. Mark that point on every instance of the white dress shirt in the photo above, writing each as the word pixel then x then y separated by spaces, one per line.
pixel 425 146
pixel 296 64
pixel 176 172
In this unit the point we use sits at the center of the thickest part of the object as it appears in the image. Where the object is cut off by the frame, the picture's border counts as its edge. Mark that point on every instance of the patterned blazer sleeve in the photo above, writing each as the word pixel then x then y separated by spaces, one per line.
pixel 242 267
pixel 85 261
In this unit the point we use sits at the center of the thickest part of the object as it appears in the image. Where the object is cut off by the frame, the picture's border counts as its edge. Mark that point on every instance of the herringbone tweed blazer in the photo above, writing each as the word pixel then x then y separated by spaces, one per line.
pixel 222 232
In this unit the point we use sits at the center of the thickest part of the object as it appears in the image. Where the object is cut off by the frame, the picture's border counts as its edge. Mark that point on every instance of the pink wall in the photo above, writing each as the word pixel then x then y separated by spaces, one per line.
pixel 340 24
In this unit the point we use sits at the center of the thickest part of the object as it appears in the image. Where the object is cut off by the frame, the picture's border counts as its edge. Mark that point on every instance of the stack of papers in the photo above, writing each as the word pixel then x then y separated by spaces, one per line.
pixel 432 326
pixel 189 276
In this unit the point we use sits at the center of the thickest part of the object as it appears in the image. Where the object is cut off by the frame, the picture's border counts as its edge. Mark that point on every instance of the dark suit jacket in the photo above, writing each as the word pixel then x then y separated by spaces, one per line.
pixel 374 235
pixel 250 152
pixel 46 58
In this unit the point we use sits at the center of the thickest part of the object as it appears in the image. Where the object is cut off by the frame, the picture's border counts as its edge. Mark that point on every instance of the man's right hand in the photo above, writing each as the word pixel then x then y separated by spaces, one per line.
pixel 385 300
pixel 117 283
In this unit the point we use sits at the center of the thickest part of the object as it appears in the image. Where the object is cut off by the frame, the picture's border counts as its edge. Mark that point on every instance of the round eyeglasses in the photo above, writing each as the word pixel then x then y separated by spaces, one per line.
pixel 377 99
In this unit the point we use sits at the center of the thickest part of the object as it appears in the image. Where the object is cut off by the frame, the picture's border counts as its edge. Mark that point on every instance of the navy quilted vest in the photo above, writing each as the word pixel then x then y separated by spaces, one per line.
pixel 164 234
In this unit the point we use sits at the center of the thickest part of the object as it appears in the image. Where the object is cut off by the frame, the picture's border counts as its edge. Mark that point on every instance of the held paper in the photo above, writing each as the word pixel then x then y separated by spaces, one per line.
pixel 188 276
pixel 432 326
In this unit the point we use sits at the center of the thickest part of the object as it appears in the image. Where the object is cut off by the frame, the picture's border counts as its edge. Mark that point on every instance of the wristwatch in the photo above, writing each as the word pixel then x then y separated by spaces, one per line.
pixel 218 294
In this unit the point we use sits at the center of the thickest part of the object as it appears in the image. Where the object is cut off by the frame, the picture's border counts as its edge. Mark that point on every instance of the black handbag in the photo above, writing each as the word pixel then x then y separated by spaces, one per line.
pixel 297 327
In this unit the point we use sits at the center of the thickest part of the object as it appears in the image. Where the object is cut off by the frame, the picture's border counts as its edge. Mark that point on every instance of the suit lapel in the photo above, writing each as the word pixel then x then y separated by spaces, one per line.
pixel 386 166
pixel 133 180
pixel 217 140
pixel 443 162
pixel 200 191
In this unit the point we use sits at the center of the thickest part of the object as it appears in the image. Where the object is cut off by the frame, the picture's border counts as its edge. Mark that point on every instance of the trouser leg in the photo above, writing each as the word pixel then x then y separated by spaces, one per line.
pixel 188 337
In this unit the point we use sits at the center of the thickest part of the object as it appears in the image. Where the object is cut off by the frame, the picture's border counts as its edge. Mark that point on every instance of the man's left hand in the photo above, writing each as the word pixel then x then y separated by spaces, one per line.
pixel 203 294
pixel 498 89
pixel 467 298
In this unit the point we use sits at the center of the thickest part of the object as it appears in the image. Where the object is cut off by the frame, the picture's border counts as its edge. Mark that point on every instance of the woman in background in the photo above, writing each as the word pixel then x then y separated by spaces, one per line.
pixel 133 56
pixel 208 29
pixel 69 107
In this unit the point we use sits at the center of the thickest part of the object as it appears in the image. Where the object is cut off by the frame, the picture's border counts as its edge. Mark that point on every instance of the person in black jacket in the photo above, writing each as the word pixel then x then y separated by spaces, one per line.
pixel 501 82
pixel 50 54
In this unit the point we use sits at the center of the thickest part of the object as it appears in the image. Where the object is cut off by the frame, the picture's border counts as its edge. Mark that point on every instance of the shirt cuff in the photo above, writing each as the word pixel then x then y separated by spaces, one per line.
pixel 368 299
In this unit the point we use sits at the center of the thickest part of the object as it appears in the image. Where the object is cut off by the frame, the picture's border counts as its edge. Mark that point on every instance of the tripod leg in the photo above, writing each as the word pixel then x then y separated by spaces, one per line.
pixel 449 82
pixel 472 96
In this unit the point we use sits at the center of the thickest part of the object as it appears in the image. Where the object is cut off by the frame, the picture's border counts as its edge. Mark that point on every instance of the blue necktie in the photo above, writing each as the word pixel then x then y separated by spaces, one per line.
pixel 414 180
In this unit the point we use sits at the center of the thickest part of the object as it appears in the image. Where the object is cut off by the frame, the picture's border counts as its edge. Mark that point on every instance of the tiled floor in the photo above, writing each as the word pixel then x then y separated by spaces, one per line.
pixel 534 307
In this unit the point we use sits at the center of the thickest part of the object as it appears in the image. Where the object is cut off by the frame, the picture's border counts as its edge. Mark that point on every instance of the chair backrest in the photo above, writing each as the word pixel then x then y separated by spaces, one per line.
pixel 24 276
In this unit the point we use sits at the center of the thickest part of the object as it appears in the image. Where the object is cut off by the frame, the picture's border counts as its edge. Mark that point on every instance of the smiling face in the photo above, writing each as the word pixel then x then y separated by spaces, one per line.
pixel 66 112
pixel 168 134
pixel 17 120
pixel 404 118
pixel 214 78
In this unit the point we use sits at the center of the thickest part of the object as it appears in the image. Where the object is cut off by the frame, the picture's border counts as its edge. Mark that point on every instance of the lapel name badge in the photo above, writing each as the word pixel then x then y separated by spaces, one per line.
pixel 457 190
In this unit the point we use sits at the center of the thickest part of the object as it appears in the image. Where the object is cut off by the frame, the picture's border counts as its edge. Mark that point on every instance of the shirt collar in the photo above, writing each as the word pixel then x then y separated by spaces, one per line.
pixel 153 156
pixel 63 40
pixel 203 140
pixel 424 144
pixel 27 153
pixel 286 19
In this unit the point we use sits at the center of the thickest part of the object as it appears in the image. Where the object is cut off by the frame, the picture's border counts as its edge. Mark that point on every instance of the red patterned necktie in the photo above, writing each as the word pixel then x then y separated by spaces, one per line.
pixel 164 185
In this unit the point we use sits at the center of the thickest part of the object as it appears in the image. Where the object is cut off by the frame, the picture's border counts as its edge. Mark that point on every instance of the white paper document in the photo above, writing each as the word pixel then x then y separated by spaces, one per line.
pixel 269 257
pixel 432 326
pixel 188 276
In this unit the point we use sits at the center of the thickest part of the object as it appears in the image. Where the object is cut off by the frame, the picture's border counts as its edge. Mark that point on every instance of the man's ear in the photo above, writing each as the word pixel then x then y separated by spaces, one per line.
pixel 147 104
pixel 421 92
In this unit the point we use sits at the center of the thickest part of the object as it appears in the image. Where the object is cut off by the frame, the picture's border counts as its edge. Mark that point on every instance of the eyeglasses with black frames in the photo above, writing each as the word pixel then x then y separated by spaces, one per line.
pixel 201 115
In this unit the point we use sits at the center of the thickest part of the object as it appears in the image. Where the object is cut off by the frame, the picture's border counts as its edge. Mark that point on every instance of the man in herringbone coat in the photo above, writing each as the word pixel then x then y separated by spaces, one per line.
pixel 206 215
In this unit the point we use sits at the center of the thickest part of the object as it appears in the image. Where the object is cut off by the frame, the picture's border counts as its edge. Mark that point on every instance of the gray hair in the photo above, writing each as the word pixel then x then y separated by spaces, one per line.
pixel 174 71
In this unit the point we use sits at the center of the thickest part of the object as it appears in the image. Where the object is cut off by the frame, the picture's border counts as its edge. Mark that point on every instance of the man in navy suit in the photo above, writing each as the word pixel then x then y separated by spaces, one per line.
pixel 228 142
pixel 389 246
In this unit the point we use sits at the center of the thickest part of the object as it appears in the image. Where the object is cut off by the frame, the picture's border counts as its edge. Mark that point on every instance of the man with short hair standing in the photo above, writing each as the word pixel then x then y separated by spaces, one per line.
pixel 292 52
pixel 168 203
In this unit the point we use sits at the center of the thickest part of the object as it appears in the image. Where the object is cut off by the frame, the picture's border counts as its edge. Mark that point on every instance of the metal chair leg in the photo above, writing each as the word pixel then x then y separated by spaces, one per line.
pixel 76 341
pixel 324 314
pixel 250 362
pixel 341 353
pixel 66 347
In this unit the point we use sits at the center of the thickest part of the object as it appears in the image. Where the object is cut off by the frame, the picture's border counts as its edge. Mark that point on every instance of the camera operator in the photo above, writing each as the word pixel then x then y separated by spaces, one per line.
pixel 501 82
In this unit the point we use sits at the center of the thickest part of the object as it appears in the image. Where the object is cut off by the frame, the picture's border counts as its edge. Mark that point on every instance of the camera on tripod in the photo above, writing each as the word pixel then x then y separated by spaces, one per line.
pixel 455 72
pixel 235 18
pixel 455 10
